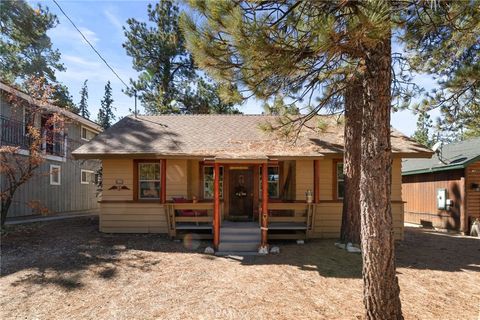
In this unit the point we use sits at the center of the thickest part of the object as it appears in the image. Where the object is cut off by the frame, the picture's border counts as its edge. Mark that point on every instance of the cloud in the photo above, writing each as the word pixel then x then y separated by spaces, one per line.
pixel 66 32
pixel 112 17
pixel 77 60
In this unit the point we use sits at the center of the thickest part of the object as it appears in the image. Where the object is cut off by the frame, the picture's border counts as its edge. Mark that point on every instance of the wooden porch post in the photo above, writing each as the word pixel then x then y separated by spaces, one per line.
pixel 264 216
pixel 216 205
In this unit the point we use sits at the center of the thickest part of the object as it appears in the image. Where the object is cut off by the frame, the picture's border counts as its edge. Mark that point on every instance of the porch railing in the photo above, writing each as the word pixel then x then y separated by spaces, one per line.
pixel 14 133
pixel 189 216
pixel 290 216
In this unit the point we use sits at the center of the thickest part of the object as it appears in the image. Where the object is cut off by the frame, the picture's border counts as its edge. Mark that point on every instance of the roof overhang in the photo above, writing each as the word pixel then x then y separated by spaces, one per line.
pixel 443 168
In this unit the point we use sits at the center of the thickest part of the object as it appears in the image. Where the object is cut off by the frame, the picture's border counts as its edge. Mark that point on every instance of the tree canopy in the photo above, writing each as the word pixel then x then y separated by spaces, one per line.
pixel 26 49
pixel 106 116
pixel 168 82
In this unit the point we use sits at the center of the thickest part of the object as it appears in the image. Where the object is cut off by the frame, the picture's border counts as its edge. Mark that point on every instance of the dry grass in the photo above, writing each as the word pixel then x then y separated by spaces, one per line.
pixel 67 269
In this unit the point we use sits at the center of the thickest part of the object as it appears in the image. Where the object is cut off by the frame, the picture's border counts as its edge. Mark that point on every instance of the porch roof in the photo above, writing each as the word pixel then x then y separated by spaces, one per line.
pixel 226 137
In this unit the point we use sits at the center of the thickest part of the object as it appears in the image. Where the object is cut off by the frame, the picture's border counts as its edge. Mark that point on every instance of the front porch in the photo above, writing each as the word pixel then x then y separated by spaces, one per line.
pixel 294 199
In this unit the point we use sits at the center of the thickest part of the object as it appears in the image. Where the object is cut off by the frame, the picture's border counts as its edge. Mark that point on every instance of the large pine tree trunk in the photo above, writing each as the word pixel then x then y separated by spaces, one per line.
pixel 381 290
pixel 350 230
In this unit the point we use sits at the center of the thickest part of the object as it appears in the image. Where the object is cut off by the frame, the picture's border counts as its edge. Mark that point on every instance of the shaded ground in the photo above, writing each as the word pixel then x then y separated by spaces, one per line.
pixel 67 269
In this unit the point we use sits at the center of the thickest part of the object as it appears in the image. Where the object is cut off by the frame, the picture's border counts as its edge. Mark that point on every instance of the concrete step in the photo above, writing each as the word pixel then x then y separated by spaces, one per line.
pixel 238 246
pixel 240 236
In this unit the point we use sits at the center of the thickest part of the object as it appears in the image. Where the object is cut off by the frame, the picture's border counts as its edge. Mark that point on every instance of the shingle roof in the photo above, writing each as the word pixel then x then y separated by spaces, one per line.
pixel 223 136
pixel 451 156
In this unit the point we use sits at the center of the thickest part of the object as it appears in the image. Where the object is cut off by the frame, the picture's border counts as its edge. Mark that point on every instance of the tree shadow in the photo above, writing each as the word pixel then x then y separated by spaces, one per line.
pixel 62 253
pixel 136 136
pixel 432 250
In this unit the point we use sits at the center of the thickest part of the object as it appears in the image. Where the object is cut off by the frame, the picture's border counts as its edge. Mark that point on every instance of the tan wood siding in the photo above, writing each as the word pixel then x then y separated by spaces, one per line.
pixel 397 179
pixel 328 220
pixel 113 170
pixel 304 178
pixel 473 196
pixel 420 194
pixel 177 179
pixel 133 218
pixel 326 179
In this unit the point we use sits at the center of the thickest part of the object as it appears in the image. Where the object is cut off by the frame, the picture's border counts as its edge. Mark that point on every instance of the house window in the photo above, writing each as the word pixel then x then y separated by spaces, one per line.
pixel 87 134
pixel 340 180
pixel 149 180
pixel 273 182
pixel 87 176
pixel 208 182
pixel 55 175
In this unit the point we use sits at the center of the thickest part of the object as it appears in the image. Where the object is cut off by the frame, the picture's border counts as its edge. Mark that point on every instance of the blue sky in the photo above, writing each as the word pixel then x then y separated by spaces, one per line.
pixel 101 22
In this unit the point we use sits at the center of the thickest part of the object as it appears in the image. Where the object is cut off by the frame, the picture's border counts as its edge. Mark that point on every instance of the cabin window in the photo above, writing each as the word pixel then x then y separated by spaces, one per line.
pixel 87 177
pixel 149 180
pixel 55 175
pixel 87 134
pixel 208 182
pixel 273 182
pixel 340 183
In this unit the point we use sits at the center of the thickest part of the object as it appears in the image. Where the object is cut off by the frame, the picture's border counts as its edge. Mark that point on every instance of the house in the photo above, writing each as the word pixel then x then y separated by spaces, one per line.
pixel 61 183
pixel 219 175
pixel 444 191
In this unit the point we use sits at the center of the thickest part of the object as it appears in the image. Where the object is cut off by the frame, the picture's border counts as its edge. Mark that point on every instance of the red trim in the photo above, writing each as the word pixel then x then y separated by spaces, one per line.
pixel 264 204
pixel 216 206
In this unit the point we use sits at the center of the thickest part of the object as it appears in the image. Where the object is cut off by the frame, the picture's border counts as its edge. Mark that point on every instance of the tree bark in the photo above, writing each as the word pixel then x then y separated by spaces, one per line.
pixel 350 229
pixel 381 290
pixel 4 210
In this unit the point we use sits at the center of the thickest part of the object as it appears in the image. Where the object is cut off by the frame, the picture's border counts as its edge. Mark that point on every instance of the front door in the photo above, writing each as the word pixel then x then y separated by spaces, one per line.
pixel 241 194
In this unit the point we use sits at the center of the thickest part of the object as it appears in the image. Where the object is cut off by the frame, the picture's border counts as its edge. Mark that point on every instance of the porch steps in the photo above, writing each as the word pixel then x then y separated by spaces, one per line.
pixel 239 237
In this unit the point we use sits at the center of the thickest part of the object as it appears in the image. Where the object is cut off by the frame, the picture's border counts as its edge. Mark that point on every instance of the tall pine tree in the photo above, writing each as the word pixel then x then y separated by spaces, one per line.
pixel 26 49
pixel 168 80
pixel 83 104
pixel 106 116
pixel 312 48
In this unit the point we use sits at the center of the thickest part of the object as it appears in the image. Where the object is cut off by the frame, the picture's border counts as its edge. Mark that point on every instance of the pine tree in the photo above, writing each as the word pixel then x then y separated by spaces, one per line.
pixel 106 116
pixel 442 39
pixel 83 104
pixel 26 49
pixel 424 125
pixel 168 81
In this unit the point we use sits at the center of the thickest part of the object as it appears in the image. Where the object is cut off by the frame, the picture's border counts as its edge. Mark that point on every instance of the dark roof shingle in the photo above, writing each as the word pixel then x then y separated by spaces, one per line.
pixel 451 156
pixel 234 136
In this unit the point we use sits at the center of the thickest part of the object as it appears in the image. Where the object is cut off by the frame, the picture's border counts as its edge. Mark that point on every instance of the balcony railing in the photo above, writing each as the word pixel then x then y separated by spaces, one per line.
pixel 14 133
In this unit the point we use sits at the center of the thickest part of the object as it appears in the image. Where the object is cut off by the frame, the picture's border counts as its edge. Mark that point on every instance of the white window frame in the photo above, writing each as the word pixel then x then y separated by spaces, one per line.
pixel 339 180
pixel 52 182
pixel 220 181
pixel 140 181
pixel 87 129
pixel 276 182
pixel 88 172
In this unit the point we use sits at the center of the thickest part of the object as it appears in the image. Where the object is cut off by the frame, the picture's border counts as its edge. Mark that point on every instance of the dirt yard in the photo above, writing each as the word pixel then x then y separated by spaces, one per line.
pixel 68 270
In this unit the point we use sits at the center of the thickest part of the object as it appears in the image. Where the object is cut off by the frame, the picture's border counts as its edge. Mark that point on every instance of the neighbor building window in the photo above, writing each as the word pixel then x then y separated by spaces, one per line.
pixel 273 182
pixel 208 182
pixel 87 176
pixel 340 180
pixel 55 175
pixel 87 134
pixel 149 180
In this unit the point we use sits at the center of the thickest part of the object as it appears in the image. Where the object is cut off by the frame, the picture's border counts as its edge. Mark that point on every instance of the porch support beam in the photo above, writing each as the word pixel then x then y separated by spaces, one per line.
pixel 216 206
pixel 264 242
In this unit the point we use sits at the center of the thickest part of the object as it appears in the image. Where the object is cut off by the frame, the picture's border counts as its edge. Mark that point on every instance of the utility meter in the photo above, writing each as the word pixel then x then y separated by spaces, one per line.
pixel 441 199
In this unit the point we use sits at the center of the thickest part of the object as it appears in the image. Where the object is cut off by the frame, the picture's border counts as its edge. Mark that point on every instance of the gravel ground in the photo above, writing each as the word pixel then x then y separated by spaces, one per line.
pixel 68 270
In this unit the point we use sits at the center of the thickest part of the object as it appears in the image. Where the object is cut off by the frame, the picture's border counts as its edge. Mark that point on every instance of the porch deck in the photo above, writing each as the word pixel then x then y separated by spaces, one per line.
pixel 286 220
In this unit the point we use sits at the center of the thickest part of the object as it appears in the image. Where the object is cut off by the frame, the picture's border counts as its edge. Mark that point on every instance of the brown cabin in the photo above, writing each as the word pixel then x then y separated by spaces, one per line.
pixel 444 191
pixel 226 178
